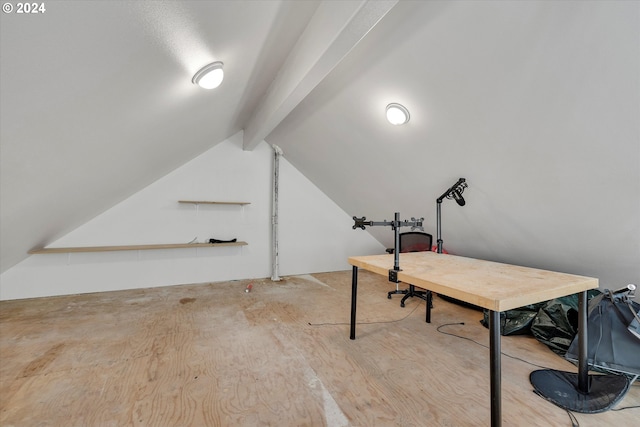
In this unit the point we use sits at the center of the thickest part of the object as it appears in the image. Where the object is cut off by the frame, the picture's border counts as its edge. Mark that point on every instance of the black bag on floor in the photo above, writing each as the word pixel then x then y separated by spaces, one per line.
pixel 517 321
pixel 556 324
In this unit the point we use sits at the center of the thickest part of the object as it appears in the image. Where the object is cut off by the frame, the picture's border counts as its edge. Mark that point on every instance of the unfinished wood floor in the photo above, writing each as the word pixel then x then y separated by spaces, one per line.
pixel 214 355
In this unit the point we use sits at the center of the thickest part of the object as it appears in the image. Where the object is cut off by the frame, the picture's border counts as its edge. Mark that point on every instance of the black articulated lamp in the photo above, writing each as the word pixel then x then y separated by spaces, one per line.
pixel 455 193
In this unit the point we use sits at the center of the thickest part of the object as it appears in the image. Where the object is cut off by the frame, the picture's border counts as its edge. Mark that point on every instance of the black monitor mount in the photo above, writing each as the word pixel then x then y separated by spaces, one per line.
pixel 395 225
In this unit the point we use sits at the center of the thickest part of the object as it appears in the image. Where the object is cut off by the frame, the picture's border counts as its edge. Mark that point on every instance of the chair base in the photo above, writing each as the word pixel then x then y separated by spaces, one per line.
pixel 397 291
pixel 410 293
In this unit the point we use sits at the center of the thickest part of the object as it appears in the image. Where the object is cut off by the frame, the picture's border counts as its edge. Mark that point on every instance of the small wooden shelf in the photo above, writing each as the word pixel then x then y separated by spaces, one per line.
pixel 209 202
pixel 130 247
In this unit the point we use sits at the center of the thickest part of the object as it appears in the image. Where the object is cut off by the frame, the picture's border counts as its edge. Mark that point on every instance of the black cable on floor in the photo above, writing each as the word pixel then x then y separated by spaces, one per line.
pixel 367 323
pixel 482 345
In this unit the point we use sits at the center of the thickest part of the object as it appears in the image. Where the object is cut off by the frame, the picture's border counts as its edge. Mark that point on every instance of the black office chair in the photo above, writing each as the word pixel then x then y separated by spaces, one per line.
pixel 414 241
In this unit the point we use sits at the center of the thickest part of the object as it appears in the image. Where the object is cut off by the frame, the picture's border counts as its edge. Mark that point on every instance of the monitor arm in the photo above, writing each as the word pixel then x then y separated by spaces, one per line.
pixel 395 225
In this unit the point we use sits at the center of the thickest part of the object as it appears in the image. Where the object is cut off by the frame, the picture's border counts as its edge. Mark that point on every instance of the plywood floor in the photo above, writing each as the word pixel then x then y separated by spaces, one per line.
pixel 214 355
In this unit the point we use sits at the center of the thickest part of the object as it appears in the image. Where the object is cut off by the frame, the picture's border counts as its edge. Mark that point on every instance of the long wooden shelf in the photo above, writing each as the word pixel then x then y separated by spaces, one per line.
pixel 209 202
pixel 130 247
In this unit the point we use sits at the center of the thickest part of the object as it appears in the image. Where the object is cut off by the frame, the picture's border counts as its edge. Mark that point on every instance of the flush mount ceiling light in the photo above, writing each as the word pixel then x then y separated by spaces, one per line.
pixel 210 76
pixel 397 114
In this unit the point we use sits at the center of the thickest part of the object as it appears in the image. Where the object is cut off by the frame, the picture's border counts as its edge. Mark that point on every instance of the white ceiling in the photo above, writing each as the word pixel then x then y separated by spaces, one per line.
pixel 535 103
pixel 97 100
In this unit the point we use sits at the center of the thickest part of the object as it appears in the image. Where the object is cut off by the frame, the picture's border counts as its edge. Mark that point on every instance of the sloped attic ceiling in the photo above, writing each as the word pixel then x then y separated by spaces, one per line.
pixel 535 103
pixel 97 100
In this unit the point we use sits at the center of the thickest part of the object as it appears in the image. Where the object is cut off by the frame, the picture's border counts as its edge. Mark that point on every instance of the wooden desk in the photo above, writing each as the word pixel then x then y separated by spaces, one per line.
pixel 491 285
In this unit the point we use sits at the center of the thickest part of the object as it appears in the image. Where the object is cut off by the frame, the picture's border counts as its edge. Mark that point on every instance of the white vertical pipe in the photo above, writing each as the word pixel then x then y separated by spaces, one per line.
pixel 277 152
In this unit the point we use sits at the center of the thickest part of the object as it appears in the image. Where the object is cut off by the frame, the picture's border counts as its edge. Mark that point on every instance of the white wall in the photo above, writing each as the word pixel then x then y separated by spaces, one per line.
pixel 536 104
pixel 315 234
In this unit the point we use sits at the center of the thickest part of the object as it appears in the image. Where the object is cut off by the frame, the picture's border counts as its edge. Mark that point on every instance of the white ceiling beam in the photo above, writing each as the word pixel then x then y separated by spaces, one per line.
pixel 335 28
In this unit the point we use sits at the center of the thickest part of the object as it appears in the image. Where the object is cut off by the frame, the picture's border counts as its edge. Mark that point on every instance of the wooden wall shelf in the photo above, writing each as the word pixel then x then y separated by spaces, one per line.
pixel 130 247
pixel 144 247
pixel 208 202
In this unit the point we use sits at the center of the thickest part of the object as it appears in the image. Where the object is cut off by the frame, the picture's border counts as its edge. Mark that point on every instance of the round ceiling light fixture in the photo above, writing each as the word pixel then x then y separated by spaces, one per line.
pixel 210 76
pixel 397 114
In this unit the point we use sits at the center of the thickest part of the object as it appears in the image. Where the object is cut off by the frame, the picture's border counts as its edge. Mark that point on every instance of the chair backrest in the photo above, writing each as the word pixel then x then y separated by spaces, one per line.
pixel 415 241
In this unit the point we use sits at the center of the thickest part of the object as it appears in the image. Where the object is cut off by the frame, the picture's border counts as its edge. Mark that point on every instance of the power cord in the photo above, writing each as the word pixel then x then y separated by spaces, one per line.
pixel 626 407
pixel 482 345
pixel 572 417
pixel 367 323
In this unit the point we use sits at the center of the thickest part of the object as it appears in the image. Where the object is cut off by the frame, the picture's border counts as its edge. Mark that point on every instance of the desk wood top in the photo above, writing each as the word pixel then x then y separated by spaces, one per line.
pixel 491 285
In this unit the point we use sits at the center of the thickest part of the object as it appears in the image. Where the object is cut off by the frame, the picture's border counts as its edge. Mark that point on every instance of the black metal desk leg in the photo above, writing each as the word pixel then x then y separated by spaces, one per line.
pixel 495 369
pixel 583 367
pixel 354 297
